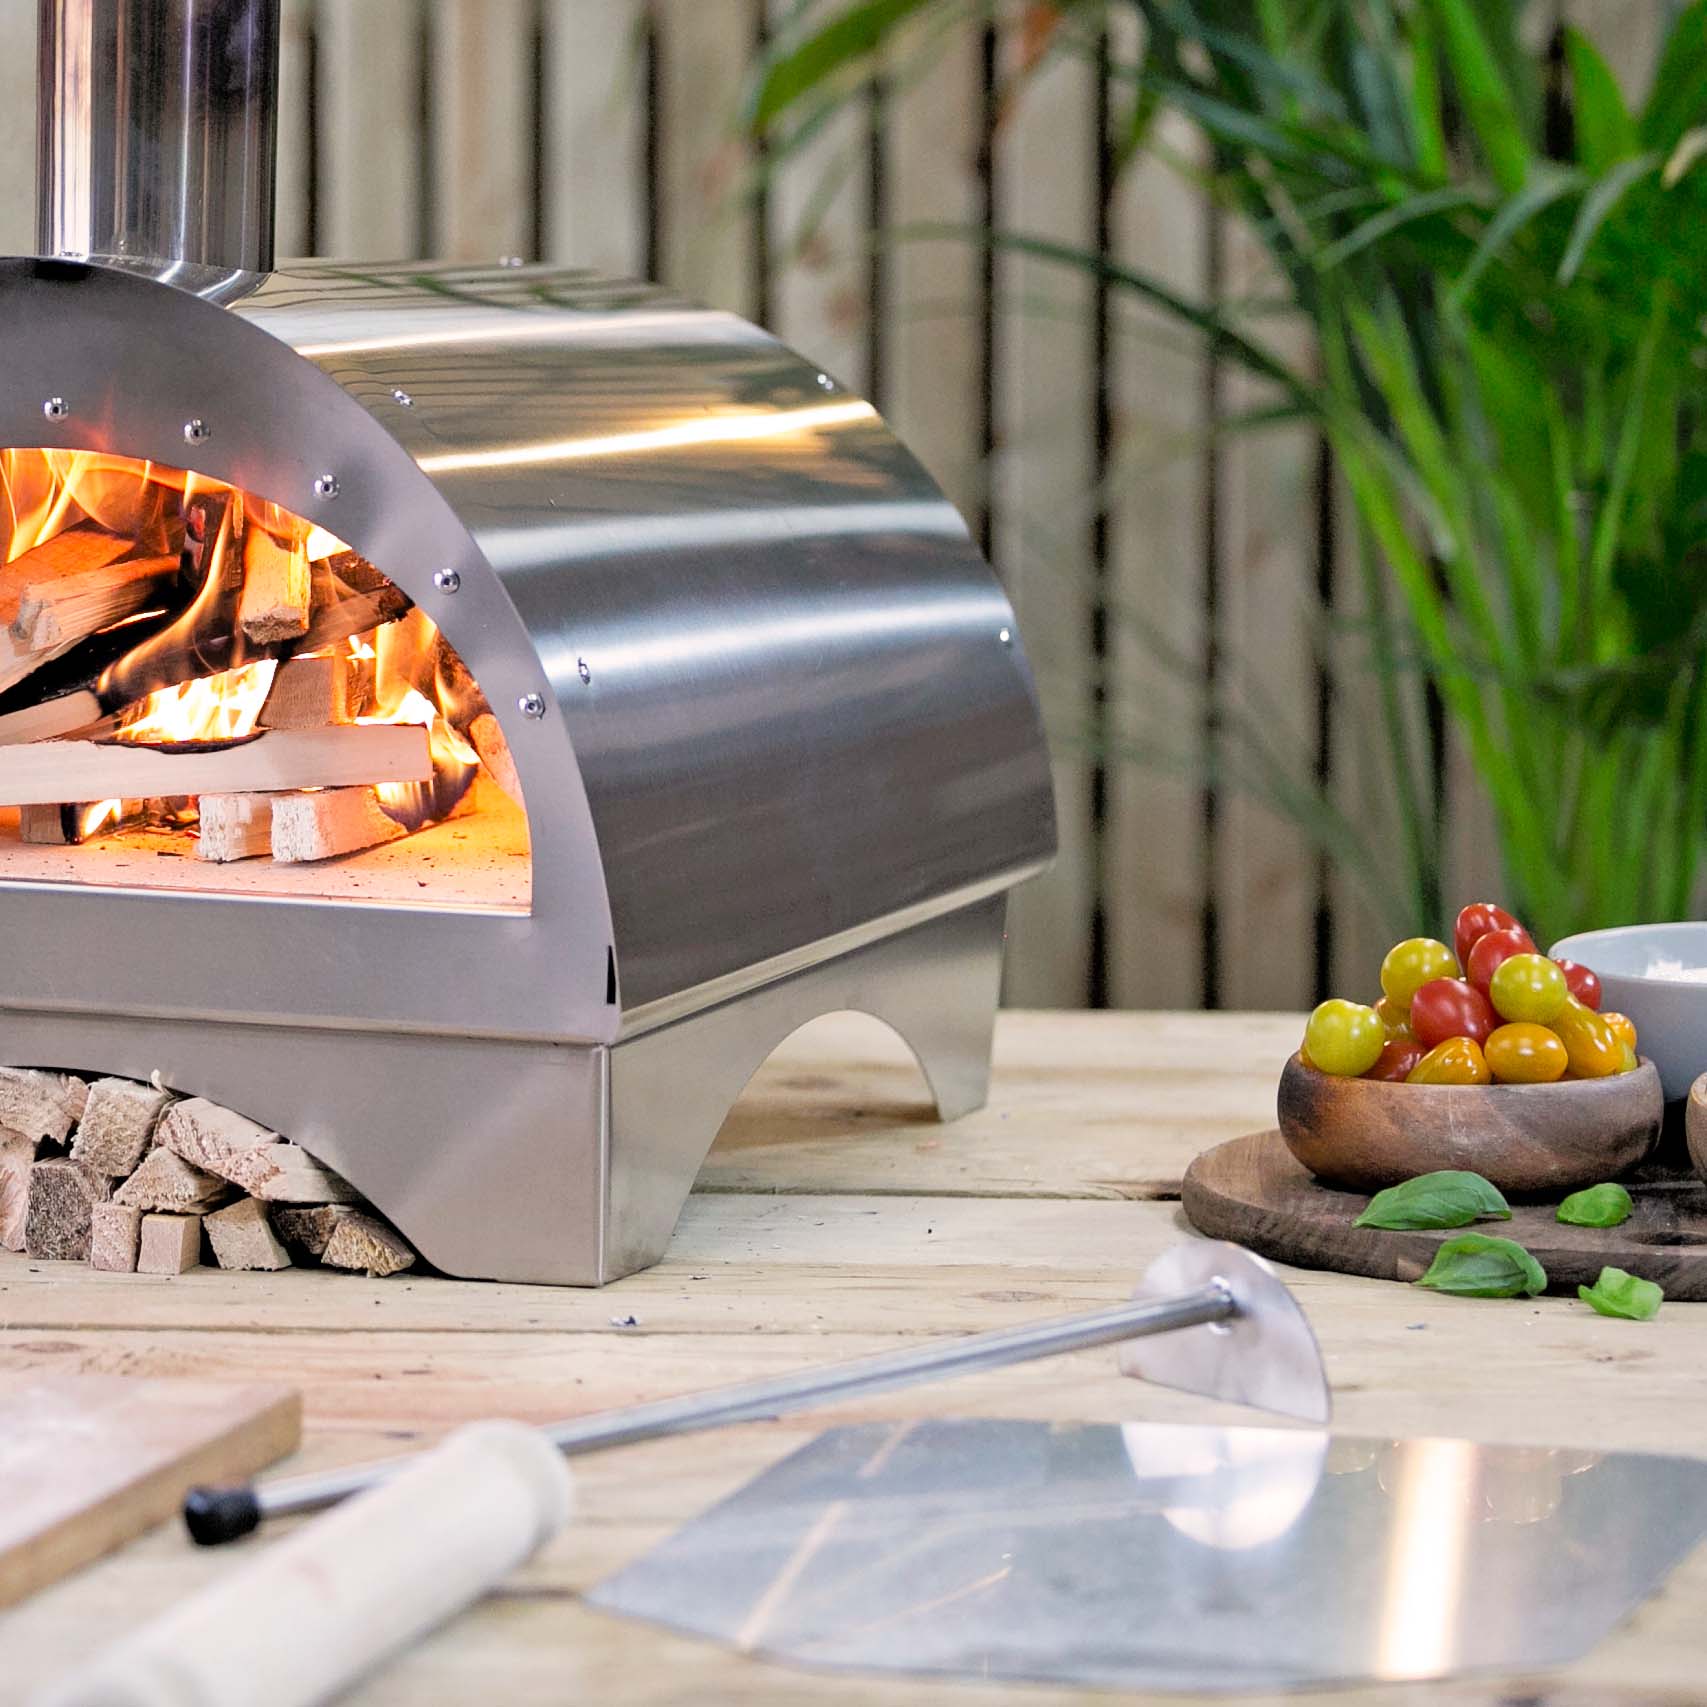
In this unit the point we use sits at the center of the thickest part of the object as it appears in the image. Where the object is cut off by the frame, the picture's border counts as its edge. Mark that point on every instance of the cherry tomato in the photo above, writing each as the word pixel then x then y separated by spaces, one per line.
pixel 1525 1053
pixel 1396 1021
pixel 1593 1047
pixel 1411 964
pixel 1474 922
pixel 1528 987
pixel 1457 1061
pixel 1398 1057
pixel 1623 1028
pixel 1344 1038
pixel 1448 1007
pixel 1584 984
pixel 1490 951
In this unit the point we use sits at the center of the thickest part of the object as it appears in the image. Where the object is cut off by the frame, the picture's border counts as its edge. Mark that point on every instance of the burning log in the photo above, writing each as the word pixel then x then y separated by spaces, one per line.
pixel 69 826
pixel 309 693
pixel 488 741
pixel 47 772
pixel 278 591
pixel 56 615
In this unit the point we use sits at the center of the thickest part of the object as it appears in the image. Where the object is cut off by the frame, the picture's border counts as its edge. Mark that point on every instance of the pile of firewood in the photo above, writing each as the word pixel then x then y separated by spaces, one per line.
pixel 94 628
pixel 130 1178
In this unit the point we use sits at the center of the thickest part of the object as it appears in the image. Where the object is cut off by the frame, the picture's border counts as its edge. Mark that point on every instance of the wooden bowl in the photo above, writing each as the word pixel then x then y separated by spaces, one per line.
pixel 1695 1124
pixel 1368 1133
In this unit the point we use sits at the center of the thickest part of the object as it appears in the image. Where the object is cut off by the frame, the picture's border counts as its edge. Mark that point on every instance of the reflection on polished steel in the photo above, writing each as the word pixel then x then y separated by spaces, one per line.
pixel 780 751
pixel 158 133
pixel 1159 1557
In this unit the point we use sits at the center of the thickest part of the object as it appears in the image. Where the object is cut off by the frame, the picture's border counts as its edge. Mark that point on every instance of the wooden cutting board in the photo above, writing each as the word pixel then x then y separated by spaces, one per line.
pixel 87 1462
pixel 1253 1192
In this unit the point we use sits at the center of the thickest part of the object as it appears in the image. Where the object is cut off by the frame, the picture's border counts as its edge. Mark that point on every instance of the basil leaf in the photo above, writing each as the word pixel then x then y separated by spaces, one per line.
pixel 1617 1293
pixel 1475 1265
pixel 1445 1199
pixel 1598 1206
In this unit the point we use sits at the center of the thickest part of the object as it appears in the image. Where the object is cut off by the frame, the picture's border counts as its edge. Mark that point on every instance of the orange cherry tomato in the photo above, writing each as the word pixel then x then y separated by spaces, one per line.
pixel 1623 1028
pixel 1594 1049
pixel 1457 1061
pixel 1395 1020
pixel 1524 1053
pixel 1398 1056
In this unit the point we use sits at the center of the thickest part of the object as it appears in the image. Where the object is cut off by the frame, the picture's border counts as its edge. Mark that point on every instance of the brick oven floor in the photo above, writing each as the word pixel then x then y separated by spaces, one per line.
pixel 836 1218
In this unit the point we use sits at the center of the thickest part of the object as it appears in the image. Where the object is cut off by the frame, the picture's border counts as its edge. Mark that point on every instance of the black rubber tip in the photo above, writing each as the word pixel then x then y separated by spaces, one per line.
pixel 214 1516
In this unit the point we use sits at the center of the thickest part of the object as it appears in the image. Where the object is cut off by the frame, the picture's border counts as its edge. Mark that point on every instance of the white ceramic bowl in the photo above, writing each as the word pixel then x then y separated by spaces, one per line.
pixel 1670 1013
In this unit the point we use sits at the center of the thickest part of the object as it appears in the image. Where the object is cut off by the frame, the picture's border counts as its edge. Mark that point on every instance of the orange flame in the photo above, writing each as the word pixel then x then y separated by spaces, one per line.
pixel 225 707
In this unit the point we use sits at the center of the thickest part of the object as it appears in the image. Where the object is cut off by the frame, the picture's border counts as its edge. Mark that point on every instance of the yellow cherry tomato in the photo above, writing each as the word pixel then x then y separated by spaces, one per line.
pixel 1457 1061
pixel 1629 1063
pixel 1344 1038
pixel 1410 964
pixel 1524 1053
pixel 1592 1046
pixel 1395 1020
pixel 1528 987
pixel 1623 1028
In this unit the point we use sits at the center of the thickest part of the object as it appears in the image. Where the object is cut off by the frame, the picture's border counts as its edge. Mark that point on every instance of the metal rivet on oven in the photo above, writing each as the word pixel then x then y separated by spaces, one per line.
pixel 448 581
pixel 583 670
pixel 825 383
pixel 511 261
pixel 399 395
pixel 1006 636
pixel 56 408
pixel 532 705
pixel 197 432
pixel 326 486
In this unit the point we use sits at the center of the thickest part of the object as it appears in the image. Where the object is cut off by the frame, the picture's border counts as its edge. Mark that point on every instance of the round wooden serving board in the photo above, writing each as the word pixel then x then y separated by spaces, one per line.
pixel 1252 1192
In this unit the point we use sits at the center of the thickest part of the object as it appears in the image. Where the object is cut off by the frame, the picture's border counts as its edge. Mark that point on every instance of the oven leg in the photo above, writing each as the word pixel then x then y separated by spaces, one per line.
pixel 670 1089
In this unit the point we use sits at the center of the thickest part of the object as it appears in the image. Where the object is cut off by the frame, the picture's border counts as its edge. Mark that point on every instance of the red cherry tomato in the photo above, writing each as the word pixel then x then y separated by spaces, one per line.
pixel 1474 923
pixel 1448 1007
pixel 1583 984
pixel 1492 951
pixel 1398 1056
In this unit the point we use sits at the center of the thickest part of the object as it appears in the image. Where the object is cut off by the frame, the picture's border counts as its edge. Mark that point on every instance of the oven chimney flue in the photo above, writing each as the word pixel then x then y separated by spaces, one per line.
pixel 158 133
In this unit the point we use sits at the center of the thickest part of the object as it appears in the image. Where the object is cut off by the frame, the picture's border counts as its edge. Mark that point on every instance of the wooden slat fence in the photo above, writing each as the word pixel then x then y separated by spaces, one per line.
pixel 1069 427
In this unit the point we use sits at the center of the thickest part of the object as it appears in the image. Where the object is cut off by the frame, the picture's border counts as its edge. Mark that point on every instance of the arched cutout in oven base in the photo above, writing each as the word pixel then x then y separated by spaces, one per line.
pixel 565 1164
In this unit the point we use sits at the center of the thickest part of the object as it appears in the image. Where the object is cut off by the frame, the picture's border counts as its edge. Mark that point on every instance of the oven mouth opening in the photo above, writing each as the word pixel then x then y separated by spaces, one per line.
pixel 201 691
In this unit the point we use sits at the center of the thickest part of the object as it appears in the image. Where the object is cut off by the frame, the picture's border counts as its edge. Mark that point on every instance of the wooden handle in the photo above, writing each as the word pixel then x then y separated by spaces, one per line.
pixel 304 1618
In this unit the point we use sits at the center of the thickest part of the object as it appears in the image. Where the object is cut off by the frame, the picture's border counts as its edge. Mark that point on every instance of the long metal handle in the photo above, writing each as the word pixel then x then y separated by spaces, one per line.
pixel 222 1515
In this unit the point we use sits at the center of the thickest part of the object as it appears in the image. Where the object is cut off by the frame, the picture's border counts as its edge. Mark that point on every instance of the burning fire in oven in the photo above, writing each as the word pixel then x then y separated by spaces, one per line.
pixel 262 686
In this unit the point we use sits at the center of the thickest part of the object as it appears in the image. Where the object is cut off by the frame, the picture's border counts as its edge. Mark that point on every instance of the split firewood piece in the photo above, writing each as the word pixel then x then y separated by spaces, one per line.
pixel 278 591
pixel 167 1182
pixel 41 1105
pixel 284 1173
pixel 170 1244
pixel 75 552
pixel 309 693
pixel 49 719
pixel 328 823
pixel 278 759
pixel 58 1223
pixel 115 1231
pixel 242 1238
pixel 72 825
pixel 17 1157
pixel 359 1241
pixel 309 1226
pixel 55 616
pixel 235 826
pixel 207 1135
pixel 118 1126
pixel 488 741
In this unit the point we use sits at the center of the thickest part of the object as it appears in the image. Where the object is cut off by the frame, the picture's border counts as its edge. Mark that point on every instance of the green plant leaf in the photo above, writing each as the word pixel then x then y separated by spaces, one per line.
pixel 1679 94
pixel 1598 204
pixel 1476 1265
pixel 1488 99
pixel 1618 1293
pixel 1447 1198
pixel 1606 1205
pixel 1547 184
pixel 852 35
pixel 1690 147
pixel 1605 131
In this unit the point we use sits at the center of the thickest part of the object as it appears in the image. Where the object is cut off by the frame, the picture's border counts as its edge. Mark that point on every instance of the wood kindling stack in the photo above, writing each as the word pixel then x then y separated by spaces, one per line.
pixel 130 1178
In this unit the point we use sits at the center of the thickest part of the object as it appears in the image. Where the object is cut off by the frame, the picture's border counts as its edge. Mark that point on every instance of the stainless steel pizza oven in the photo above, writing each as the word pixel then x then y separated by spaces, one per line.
pixel 753 732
